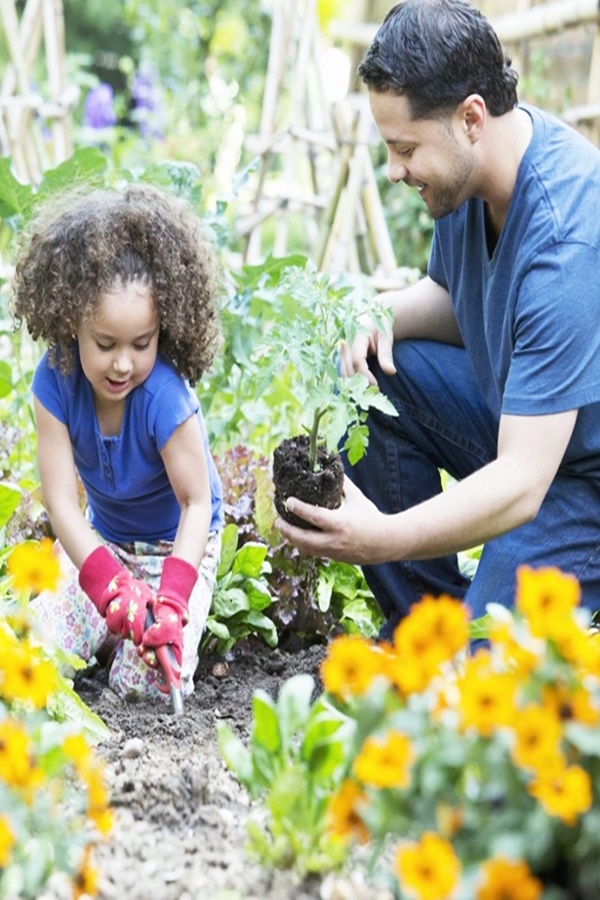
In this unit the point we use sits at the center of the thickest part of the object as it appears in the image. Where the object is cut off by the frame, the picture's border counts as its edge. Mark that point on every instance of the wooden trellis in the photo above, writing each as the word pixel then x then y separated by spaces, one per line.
pixel 35 100
pixel 529 22
pixel 313 160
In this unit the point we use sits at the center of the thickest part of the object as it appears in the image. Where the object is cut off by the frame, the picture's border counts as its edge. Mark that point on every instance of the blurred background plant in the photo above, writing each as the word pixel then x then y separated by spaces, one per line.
pixel 54 804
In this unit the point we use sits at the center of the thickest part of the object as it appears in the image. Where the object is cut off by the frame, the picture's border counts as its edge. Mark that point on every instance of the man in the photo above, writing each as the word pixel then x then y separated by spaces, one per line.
pixel 494 364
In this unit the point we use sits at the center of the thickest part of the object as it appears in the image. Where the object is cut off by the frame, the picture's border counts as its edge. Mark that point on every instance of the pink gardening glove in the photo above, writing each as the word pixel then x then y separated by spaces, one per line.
pixel 170 610
pixel 119 598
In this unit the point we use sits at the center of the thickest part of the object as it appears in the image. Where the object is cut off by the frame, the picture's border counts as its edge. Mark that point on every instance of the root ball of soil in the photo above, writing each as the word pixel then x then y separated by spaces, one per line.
pixel 292 477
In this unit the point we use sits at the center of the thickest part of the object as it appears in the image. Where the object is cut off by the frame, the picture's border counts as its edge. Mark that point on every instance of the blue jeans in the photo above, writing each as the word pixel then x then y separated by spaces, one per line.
pixel 443 423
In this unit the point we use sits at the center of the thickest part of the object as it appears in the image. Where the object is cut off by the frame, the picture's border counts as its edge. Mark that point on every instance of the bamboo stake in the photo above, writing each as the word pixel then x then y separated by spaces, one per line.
pixel 534 22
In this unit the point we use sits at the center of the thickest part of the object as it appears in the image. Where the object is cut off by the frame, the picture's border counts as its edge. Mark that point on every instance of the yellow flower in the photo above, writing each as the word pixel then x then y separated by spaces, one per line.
pixel 571 703
pixel 76 749
pixel 26 676
pixel 428 869
pixel 17 766
pixel 506 879
pixel 343 813
pixel 85 883
pixel 351 665
pixel 564 792
pixel 433 633
pixel 7 842
pixel 547 598
pixel 34 567
pixel 98 799
pixel 538 734
pixel 487 698
pixel 385 762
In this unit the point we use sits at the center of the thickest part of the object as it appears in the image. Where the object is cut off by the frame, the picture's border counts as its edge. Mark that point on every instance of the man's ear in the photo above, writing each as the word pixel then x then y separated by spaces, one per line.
pixel 473 113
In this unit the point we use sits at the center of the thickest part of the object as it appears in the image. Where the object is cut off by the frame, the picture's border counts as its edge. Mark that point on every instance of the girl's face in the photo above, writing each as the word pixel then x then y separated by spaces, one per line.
pixel 118 346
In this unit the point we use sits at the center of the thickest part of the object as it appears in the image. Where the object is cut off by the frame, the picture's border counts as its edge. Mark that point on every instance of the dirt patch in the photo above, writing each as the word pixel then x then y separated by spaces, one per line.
pixel 293 477
pixel 181 816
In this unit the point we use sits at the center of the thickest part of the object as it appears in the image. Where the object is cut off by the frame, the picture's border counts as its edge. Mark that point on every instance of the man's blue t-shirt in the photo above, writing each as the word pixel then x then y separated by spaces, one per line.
pixel 129 494
pixel 529 313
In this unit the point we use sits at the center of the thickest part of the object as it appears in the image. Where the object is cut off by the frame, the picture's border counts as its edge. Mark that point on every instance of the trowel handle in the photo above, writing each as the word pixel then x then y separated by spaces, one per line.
pixel 171 671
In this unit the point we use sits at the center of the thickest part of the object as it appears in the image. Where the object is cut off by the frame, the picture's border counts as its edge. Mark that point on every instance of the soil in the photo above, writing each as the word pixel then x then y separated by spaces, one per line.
pixel 292 477
pixel 181 816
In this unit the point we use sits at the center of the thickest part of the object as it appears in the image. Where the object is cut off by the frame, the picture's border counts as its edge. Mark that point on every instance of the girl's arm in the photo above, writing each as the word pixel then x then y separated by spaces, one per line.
pixel 59 487
pixel 186 466
pixel 185 462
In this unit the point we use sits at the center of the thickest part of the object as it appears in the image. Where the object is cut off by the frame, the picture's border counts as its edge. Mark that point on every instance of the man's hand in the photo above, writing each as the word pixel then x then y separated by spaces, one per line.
pixel 354 358
pixel 353 533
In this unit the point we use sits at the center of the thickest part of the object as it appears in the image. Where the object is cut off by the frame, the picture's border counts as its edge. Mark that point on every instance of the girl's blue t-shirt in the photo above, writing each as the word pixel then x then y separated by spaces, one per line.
pixel 529 312
pixel 129 494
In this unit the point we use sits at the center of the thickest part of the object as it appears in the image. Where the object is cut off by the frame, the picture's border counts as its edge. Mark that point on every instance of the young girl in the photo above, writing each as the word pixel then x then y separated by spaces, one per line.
pixel 123 288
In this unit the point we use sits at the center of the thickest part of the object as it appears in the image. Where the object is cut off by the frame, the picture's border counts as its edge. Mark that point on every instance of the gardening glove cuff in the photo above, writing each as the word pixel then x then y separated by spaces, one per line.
pixel 96 574
pixel 118 597
pixel 170 609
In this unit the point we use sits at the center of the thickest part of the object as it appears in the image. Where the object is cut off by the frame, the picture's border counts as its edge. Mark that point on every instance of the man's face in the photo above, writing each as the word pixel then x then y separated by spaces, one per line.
pixel 432 155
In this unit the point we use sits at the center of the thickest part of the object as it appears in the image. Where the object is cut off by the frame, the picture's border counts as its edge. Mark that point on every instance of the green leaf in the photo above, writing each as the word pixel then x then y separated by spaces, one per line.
pixel 237 757
pixel 10 495
pixel 87 164
pixel 230 602
pixel 6 384
pixel 293 705
pixel 15 198
pixel 265 731
pixel 479 629
pixel 249 559
pixel 263 625
pixel 219 629
pixel 229 545
pixel 258 594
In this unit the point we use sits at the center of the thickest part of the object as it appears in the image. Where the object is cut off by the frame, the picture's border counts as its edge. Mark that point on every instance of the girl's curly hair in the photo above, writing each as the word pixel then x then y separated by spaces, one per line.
pixel 79 245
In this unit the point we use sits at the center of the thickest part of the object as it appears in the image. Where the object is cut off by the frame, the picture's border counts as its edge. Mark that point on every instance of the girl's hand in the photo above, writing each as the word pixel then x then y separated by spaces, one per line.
pixel 125 602
pixel 118 597
pixel 170 610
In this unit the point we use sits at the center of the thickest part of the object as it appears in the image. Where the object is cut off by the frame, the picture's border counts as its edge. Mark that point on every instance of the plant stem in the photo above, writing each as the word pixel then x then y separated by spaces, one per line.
pixel 314 438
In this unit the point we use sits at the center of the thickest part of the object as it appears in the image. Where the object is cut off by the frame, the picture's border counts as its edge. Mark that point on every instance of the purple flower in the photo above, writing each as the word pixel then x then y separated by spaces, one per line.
pixel 98 111
pixel 147 106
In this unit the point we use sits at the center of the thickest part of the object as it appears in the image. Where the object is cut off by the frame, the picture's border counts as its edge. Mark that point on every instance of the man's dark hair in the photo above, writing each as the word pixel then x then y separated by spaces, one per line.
pixel 436 53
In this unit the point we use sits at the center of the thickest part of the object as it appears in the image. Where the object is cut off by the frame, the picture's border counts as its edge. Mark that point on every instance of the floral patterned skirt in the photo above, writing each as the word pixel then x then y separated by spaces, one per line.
pixel 70 620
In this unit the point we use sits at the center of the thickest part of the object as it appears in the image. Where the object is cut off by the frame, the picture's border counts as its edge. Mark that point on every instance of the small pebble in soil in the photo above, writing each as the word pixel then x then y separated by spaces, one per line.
pixel 132 748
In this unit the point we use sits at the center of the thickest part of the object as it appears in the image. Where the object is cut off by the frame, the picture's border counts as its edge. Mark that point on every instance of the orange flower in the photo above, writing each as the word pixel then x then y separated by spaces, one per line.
pixel 487 698
pixel 351 665
pixel 538 734
pixel 506 879
pixel 428 869
pixel 343 813
pixel 564 792
pixel 547 598
pixel 34 567
pixel 385 762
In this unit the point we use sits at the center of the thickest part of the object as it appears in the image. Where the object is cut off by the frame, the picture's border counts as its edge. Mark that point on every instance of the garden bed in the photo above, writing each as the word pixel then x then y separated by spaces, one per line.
pixel 180 815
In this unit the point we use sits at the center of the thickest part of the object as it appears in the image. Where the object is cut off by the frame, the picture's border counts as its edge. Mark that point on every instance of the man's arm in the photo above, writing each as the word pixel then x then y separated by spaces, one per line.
pixel 423 310
pixel 497 498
